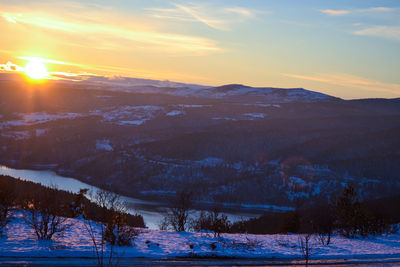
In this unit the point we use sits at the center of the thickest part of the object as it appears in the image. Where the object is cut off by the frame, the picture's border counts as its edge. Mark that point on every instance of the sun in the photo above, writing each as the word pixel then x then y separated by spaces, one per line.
pixel 36 70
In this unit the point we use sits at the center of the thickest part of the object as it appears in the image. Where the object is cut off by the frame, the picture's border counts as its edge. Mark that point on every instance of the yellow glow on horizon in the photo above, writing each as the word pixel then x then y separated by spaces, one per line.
pixel 36 70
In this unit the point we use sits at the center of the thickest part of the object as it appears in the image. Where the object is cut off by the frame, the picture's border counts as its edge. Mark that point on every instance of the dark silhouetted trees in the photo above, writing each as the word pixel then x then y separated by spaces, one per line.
pixel 7 198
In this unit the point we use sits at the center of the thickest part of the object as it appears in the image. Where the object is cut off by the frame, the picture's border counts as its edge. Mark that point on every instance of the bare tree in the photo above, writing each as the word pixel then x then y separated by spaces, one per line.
pixel 178 215
pixel 107 224
pixel 306 246
pixel 44 214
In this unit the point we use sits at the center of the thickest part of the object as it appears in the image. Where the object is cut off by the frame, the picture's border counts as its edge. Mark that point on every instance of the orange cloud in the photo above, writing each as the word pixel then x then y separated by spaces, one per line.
pixel 333 12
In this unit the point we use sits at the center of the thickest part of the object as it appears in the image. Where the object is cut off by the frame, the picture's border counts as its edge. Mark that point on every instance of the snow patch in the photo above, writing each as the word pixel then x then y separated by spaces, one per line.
pixel 224 118
pixel 298 182
pixel 40 132
pixel 104 145
pixel 210 162
pixel 255 115
pixel 137 122
pixel 263 105
pixel 193 106
pixel 175 113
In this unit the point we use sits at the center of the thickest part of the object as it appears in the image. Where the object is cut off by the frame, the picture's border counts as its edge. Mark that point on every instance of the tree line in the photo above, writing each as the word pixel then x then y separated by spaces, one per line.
pixel 345 215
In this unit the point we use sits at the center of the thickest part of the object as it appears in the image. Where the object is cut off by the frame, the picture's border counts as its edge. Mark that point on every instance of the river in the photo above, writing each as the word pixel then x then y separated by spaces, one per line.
pixel 152 211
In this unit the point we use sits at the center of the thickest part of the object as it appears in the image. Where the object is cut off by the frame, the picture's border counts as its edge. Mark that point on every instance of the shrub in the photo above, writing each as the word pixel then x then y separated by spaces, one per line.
pixel 212 221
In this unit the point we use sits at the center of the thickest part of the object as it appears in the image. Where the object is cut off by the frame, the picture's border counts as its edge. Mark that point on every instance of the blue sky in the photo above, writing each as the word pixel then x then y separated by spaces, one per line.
pixel 349 49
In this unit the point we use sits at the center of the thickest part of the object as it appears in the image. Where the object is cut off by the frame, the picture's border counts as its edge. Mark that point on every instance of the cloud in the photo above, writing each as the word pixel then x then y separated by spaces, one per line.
pixel 351 81
pixel 10 18
pixel 388 32
pixel 12 71
pixel 9 66
pixel 44 60
pixel 364 11
pixel 333 12
pixel 240 11
pixel 107 29
pixel 214 17
pixel 201 17
pixel 388 14
pixel 377 9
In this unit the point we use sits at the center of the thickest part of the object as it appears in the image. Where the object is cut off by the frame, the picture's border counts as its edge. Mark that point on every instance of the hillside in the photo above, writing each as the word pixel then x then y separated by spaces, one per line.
pixel 231 144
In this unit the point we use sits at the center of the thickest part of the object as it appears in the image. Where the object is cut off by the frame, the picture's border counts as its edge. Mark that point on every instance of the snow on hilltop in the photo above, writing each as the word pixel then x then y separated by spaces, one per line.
pixel 20 241
pixel 148 86
pixel 274 95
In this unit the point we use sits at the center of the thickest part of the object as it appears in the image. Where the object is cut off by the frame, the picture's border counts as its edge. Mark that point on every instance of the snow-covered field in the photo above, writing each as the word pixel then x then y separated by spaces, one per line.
pixel 19 241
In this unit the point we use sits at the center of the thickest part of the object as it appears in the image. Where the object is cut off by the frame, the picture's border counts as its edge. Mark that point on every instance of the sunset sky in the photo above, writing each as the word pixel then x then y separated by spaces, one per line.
pixel 349 49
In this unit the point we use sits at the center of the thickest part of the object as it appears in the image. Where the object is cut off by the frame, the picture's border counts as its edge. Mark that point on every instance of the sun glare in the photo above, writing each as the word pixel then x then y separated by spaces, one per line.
pixel 36 70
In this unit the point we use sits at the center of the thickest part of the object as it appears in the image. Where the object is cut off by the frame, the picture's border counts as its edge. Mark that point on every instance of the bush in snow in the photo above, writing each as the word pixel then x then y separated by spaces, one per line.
pixel 118 232
pixel 212 221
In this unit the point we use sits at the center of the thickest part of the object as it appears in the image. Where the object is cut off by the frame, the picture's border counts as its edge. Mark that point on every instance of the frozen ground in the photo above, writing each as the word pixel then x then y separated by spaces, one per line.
pixel 20 242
